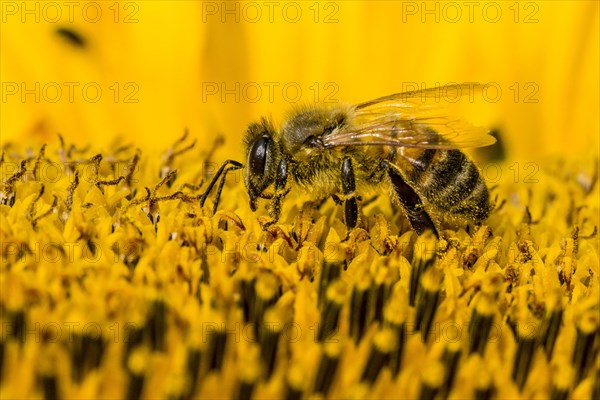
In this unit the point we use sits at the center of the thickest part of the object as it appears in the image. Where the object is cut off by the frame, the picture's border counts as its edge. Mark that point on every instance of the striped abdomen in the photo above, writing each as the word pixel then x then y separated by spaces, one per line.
pixel 448 180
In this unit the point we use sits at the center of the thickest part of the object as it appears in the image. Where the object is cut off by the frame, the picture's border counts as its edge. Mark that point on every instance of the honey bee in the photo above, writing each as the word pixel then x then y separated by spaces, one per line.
pixel 401 143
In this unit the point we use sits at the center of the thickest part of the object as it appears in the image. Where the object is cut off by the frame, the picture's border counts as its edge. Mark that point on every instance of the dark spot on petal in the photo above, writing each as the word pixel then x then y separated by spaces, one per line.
pixel 72 37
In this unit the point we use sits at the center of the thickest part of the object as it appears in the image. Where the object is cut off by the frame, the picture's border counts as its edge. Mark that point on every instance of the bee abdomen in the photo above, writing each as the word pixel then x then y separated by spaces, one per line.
pixel 451 182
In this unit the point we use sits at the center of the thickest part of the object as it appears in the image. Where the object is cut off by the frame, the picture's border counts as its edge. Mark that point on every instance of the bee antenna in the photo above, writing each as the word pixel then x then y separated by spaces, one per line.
pixel 221 171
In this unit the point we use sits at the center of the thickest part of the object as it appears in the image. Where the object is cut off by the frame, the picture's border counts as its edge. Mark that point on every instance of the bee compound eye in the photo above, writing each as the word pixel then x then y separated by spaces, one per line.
pixel 257 157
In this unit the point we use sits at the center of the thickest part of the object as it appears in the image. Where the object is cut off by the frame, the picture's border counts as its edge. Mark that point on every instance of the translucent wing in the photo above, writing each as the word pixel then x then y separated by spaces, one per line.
pixel 412 119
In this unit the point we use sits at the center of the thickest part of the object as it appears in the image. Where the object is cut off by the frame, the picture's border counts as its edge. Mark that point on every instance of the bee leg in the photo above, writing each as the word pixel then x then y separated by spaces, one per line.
pixel 349 188
pixel 221 173
pixel 280 193
pixel 368 201
pixel 410 200
pixel 320 201
pixel 220 187
pixel 337 199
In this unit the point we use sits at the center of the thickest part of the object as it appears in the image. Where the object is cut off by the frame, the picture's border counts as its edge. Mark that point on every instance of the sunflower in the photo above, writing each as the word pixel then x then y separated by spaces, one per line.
pixel 116 282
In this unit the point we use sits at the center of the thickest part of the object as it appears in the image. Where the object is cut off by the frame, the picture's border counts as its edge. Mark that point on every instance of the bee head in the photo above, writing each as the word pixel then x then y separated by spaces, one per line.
pixel 262 157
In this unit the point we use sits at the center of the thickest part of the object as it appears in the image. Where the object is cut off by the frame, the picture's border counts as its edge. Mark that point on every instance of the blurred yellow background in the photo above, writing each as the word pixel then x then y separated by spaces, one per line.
pixel 150 69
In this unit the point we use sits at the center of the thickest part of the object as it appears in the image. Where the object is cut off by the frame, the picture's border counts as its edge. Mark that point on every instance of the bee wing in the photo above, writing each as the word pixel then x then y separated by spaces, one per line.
pixel 433 133
pixel 411 119
pixel 448 93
